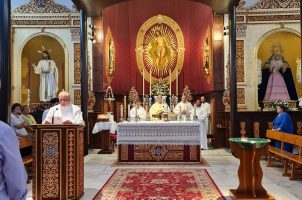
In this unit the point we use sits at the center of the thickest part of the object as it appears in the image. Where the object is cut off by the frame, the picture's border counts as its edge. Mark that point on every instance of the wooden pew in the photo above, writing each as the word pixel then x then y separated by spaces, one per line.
pixel 293 159
pixel 26 142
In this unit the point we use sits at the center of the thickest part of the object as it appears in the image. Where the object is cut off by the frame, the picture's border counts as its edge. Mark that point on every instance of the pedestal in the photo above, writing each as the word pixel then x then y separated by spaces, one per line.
pixel 250 174
pixel 58 162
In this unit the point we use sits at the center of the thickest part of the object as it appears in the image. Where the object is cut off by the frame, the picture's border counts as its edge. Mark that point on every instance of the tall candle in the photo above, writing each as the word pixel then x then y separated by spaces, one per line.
pixel 143 82
pixel 122 112
pixel 150 82
pixel 125 104
pixel 129 111
pixel 170 80
pixel 194 114
pixel 179 110
pixel 177 82
pixel 135 111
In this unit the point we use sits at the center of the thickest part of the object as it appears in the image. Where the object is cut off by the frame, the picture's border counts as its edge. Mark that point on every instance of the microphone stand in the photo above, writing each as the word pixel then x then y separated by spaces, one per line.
pixel 53 116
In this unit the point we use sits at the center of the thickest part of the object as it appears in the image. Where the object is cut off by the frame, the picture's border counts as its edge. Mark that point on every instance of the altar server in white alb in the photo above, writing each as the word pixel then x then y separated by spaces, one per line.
pixel 184 107
pixel 201 115
pixel 65 112
pixel 139 111
pixel 207 109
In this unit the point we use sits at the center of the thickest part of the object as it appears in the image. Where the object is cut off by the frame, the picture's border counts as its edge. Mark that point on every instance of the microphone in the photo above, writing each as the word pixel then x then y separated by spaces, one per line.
pixel 53 116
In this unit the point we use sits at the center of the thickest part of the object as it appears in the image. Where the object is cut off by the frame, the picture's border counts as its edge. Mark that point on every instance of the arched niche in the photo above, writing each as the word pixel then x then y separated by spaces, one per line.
pixel 290 42
pixel 30 56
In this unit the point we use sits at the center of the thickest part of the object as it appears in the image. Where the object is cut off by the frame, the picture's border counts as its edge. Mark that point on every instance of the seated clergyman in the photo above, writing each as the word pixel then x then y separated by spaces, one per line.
pixel 184 107
pixel 138 111
pixel 159 106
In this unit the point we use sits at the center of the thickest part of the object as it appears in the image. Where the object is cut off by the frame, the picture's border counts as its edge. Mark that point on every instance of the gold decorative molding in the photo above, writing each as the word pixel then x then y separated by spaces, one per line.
pixel 50 165
pixel 77 62
pixel 77 97
pixel 240 60
pixel 110 56
pixel 160 48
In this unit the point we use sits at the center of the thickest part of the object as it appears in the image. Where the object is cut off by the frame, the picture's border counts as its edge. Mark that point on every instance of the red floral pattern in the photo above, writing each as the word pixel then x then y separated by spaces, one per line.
pixel 159 184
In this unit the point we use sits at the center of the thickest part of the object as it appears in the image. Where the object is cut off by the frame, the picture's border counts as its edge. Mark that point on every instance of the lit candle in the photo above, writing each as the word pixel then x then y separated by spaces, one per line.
pixel 150 82
pixel 177 82
pixel 170 81
pixel 194 113
pixel 122 112
pixel 143 82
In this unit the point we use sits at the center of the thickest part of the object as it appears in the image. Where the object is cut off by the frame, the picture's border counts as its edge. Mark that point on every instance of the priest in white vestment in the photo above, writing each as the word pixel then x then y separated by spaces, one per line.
pixel 48 77
pixel 184 107
pixel 207 109
pixel 202 115
pixel 65 112
pixel 138 111
pixel 159 106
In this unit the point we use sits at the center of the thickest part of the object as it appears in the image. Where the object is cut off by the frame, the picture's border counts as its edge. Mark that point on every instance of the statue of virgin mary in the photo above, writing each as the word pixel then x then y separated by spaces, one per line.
pixel 277 79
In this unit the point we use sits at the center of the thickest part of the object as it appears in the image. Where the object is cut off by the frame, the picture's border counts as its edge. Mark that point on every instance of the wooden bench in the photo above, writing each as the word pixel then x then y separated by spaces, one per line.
pixel 23 143
pixel 289 158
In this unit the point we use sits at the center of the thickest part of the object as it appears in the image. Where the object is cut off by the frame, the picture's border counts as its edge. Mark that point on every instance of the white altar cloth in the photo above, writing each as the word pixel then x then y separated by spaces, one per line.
pixel 167 133
pixel 99 126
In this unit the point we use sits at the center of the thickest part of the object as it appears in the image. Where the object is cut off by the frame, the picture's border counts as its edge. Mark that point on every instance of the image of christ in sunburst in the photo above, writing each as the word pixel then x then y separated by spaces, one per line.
pixel 160 50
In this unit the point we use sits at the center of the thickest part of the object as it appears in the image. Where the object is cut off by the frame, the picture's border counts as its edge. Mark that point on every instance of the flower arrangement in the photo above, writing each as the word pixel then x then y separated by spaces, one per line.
pixel 280 102
pixel 160 87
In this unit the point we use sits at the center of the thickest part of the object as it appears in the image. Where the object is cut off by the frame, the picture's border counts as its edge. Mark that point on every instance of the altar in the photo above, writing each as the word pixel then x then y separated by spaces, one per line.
pixel 158 141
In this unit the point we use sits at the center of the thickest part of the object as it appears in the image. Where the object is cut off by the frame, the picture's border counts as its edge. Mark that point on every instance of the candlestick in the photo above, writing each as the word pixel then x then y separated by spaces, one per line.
pixel 135 111
pixel 170 82
pixel 150 82
pixel 176 82
pixel 143 82
pixel 121 111
pixel 129 111
pixel 125 104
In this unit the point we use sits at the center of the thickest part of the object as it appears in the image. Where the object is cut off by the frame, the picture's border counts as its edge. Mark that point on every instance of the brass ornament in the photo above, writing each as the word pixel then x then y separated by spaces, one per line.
pixel 160 48
pixel 109 56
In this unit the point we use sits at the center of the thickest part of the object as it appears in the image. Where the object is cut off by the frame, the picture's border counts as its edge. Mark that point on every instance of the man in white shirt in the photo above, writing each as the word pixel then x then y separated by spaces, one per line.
pixel 138 111
pixel 159 106
pixel 16 121
pixel 184 107
pixel 65 112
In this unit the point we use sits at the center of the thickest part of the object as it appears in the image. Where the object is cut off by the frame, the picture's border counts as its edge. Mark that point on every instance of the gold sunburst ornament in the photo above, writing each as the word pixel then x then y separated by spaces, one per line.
pixel 160 48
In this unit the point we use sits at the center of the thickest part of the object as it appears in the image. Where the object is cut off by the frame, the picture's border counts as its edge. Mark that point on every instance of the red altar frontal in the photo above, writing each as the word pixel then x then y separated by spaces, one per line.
pixel 159 142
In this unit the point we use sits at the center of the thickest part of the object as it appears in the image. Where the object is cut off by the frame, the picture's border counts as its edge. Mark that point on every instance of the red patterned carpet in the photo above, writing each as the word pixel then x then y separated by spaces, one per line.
pixel 159 184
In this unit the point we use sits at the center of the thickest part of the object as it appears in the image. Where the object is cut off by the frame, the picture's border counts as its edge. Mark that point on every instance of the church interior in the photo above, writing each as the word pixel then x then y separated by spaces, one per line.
pixel 177 99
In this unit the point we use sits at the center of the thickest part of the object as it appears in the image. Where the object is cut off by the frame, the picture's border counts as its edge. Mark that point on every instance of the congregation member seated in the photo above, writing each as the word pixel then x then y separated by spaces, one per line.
pixel 184 107
pixel 138 111
pixel 159 106
pixel 54 102
pixel 28 119
pixel 16 121
pixel 283 123
pixel 65 112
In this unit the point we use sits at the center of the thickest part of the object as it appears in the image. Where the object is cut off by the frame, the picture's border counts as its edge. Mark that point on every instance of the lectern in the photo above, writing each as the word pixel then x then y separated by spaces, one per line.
pixel 58 162
pixel 249 151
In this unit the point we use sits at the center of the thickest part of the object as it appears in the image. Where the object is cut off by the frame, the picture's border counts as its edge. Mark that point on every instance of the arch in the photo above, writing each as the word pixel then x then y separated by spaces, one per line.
pixel 262 39
pixel 64 80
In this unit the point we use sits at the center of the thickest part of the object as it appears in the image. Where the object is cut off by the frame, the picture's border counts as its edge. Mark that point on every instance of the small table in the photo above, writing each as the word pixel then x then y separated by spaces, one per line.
pixel 103 130
pixel 249 151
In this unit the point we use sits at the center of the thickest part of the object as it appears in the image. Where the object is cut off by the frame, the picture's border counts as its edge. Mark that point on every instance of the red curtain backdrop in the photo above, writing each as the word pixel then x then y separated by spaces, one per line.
pixel 125 19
